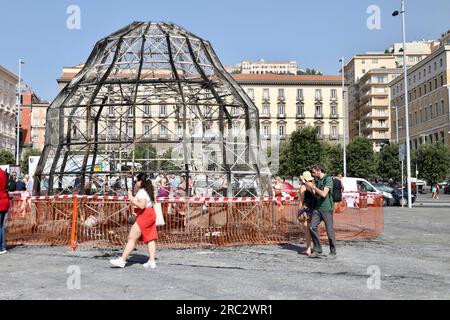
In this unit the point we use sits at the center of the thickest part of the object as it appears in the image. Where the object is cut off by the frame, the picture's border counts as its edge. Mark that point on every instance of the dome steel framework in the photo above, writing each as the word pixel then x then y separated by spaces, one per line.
pixel 152 77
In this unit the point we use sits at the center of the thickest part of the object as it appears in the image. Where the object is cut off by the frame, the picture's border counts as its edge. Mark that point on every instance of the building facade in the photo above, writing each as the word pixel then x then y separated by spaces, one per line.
pixel 374 114
pixel 428 99
pixel 285 103
pixel 268 67
pixel 8 105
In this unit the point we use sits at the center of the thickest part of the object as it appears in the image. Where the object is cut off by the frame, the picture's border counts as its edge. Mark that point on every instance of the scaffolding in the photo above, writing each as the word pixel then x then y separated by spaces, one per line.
pixel 152 97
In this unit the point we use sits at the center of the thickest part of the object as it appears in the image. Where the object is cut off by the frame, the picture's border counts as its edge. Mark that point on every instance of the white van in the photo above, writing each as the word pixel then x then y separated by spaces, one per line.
pixel 353 185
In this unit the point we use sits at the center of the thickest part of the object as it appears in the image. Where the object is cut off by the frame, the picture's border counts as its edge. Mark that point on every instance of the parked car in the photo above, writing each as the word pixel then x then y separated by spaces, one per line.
pixel 353 186
pixel 399 198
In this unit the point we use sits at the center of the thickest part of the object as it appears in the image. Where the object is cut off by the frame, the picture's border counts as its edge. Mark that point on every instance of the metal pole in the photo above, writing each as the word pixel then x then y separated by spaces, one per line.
pixel 408 149
pixel 18 114
pixel 396 121
pixel 344 117
pixel 359 128
pixel 402 184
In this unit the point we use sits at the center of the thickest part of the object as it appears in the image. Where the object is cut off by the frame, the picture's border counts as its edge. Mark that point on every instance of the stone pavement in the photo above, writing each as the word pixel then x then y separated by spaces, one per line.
pixel 412 256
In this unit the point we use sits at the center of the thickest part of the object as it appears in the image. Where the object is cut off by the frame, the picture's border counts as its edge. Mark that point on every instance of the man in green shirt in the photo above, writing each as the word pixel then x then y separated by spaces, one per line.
pixel 323 210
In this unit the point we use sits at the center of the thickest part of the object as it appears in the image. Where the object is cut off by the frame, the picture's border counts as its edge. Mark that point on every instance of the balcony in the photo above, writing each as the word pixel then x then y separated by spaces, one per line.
pixel 300 116
pixel 333 137
pixel 334 116
pixel 281 116
pixel 163 136
pixel 264 115
pixel 318 98
pixel 281 98
pixel 318 115
pixel 300 98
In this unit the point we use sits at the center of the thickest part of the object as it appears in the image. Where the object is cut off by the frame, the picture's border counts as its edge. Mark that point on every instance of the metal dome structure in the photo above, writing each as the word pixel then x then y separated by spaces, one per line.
pixel 152 97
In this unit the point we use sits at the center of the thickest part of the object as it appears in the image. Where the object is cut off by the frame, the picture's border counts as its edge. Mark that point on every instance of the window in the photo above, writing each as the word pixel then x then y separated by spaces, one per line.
pixel 280 93
pixel 435 66
pixel 333 111
pixel 130 111
pixel 266 109
pixel 281 131
pixel 382 135
pixel 300 109
pixel 162 110
pixel 281 109
pixel 318 111
pixel 318 94
pixel 411 59
pixel 179 130
pixel 147 130
pixel 319 130
pixel 375 61
pixel 382 123
pixel 251 93
pixel 363 71
pixel 440 63
pixel 163 130
pixel 429 69
pixel 334 131
pixel 130 130
pixel 266 130
pixel 110 130
pixel 442 107
pixel 363 61
pixel 333 94
pixel 266 94
pixel 299 94
pixel 380 79
pixel 146 110
pixel 111 110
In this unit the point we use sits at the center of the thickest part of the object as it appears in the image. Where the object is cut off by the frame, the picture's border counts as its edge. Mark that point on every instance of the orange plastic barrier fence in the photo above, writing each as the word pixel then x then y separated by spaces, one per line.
pixel 102 222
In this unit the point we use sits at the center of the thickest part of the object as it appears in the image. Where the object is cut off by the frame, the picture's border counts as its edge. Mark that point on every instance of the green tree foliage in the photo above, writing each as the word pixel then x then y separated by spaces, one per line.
pixel 302 151
pixel 6 157
pixel 146 151
pixel 309 72
pixel 360 158
pixel 333 159
pixel 389 165
pixel 27 153
pixel 433 162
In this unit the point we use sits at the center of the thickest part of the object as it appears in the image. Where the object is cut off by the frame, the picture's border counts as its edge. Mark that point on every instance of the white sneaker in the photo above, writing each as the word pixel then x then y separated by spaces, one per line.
pixel 150 264
pixel 3 252
pixel 119 262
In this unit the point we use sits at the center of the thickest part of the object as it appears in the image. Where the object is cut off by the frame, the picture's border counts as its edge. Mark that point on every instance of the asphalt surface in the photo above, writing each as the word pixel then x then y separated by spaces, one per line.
pixel 412 257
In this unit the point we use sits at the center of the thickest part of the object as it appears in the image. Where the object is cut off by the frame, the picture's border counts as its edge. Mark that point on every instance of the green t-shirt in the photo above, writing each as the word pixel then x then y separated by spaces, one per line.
pixel 325 204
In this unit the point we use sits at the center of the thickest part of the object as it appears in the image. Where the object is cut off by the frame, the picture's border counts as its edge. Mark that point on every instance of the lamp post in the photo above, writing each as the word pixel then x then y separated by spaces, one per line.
pixel 344 116
pixel 19 93
pixel 405 80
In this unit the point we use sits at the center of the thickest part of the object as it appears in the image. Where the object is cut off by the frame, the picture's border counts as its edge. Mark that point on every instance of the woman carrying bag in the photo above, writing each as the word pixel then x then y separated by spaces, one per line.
pixel 144 228
pixel 4 206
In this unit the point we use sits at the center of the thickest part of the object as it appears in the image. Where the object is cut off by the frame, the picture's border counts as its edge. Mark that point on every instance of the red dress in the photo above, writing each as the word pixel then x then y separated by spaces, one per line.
pixel 4 197
pixel 146 221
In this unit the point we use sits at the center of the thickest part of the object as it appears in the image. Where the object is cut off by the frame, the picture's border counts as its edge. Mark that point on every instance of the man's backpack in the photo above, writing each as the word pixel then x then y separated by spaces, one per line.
pixel 337 190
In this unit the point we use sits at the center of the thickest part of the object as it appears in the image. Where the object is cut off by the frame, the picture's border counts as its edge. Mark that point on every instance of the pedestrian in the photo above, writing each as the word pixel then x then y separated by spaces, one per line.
pixel 307 204
pixel 12 182
pixel 29 182
pixel 21 185
pixel 323 210
pixel 145 226
pixel 433 191
pixel 4 206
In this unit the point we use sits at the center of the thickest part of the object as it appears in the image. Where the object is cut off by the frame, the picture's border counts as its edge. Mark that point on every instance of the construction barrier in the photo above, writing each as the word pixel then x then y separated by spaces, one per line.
pixel 101 221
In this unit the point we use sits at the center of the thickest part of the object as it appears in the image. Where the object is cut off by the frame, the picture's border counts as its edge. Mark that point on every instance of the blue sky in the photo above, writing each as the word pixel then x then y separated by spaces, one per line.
pixel 314 33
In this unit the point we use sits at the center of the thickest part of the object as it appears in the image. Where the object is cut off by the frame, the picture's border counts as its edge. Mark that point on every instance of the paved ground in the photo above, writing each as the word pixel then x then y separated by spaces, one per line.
pixel 413 257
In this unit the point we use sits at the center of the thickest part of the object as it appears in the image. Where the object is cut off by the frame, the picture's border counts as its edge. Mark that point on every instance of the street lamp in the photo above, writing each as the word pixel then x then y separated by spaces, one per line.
pixel 405 80
pixel 345 111
pixel 21 62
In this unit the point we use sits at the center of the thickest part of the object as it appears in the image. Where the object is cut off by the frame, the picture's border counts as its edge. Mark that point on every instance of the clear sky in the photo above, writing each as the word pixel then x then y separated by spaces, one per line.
pixel 314 33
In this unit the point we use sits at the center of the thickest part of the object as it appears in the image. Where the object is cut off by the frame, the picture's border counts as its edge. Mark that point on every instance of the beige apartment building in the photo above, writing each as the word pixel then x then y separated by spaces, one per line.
pixel 368 76
pixel 374 114
pixel 8 82
pixel 428 95
pixel 285 102
pixel 268 67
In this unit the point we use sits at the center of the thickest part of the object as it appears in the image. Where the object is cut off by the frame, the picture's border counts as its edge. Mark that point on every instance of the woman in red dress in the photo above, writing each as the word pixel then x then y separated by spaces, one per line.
pixel 4 206
pixel 145 226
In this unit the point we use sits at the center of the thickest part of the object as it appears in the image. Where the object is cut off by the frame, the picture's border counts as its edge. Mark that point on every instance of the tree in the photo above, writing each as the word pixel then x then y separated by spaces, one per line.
pixel 6 157
pixel 27 153
pixel 333 158
pixel 146 151
pixel 360 158
pixel 302 151
pixel 433 162
pixel 389 165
